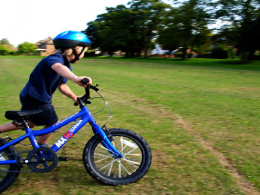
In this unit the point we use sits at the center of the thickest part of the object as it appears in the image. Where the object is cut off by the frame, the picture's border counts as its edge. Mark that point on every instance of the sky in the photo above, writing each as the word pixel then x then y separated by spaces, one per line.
pixel 34 20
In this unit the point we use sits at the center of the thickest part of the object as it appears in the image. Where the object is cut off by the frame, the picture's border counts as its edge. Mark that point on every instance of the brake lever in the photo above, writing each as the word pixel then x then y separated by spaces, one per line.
pixel 94 87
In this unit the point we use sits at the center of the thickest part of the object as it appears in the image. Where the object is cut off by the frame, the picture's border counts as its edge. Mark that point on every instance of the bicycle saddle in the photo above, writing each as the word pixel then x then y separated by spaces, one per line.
pixel 20 115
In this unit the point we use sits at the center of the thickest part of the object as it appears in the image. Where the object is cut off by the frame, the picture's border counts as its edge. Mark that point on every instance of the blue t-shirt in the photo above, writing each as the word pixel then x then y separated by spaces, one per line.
pixel 43 80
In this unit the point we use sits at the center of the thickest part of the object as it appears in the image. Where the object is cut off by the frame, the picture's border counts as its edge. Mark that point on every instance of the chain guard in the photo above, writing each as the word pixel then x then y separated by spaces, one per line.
pixel 46 159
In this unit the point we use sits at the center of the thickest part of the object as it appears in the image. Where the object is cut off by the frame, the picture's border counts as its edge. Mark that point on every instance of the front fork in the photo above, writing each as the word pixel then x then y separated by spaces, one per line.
pixel 106 142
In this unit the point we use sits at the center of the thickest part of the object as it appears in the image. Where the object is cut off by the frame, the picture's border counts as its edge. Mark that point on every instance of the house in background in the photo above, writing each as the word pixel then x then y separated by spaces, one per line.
pixel 45 47
pixel 158 50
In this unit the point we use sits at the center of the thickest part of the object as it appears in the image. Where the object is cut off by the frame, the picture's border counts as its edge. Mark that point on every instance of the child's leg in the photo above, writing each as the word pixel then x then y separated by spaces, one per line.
pixel 8 127
pixel 44 138
pixel 11 126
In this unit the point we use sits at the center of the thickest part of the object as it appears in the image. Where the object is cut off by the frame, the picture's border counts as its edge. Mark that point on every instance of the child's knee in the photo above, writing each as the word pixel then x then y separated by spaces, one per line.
pixel 31 124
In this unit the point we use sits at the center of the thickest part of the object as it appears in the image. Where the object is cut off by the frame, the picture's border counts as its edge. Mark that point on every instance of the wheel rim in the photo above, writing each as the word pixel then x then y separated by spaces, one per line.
pixel 106 163
pixel 4 168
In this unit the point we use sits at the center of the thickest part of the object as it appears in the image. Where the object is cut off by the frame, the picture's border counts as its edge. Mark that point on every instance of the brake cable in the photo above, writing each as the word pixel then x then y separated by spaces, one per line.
pixel 106 105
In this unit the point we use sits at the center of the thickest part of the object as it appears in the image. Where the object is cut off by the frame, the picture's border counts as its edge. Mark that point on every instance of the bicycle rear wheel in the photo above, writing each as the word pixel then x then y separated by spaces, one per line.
pixel 7 177
pixel 102 166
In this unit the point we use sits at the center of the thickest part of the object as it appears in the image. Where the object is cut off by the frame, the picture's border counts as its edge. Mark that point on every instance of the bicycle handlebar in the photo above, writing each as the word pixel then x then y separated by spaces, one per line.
pixel 85 97
pixel 84 81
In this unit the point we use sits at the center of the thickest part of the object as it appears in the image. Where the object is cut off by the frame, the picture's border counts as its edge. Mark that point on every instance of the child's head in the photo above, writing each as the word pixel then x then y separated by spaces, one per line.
pixel 73 44
pixel 78 49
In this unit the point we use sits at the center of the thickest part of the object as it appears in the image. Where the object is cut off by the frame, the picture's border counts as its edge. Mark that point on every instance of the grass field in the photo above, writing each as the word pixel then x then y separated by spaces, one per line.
pixel 201 119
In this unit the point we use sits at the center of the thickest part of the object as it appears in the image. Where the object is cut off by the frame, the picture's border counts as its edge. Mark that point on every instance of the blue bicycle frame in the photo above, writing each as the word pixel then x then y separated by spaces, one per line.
pixel 84 117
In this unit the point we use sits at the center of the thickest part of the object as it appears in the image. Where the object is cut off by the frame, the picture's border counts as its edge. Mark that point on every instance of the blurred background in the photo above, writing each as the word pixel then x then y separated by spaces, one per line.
pixel 140 28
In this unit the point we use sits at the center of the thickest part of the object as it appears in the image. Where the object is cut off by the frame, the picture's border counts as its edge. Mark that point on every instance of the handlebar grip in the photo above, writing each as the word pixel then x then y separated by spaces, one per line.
pixel 84 81
pixel 78 99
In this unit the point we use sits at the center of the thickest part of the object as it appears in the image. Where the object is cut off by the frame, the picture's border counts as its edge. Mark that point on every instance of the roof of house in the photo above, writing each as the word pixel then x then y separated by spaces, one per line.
pixel 42 43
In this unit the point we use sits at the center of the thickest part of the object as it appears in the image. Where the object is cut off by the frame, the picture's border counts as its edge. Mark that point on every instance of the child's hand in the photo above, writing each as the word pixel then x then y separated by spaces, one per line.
pixel 75 100
pixel 79 79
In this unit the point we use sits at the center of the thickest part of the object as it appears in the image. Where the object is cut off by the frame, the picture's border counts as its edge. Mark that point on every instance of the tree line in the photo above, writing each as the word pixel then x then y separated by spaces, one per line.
pixel 6 48
pixel 140 24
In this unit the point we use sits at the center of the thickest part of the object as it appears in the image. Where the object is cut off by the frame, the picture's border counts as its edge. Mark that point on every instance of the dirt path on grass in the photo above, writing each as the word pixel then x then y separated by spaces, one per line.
pixel 244 185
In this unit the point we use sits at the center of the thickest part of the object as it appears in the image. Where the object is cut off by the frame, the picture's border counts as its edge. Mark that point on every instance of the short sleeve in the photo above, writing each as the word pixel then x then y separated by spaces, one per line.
pixel 64 80
pixel 52 59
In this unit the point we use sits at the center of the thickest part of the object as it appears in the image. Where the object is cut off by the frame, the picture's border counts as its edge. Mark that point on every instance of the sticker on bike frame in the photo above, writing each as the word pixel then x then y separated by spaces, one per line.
pixel 128 143
pixel 69 134
pixel 65 119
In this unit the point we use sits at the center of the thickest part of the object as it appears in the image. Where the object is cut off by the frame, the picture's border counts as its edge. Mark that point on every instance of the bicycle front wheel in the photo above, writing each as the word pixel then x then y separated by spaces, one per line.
pixel 104 167
pixel 8 173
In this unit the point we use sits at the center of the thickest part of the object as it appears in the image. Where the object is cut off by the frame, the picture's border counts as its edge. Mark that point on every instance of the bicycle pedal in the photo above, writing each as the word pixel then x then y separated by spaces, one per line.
pixel 63 158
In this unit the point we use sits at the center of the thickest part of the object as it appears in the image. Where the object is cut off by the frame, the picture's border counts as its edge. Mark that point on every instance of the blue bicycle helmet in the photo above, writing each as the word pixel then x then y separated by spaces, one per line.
pixel 70 39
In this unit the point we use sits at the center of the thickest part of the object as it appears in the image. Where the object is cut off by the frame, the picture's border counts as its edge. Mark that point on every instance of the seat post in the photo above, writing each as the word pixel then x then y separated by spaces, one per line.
pixel 25 125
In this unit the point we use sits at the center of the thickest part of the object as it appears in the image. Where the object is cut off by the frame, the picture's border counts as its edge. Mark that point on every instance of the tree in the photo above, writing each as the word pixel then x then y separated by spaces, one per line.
pixel 149 14
pixel 185 26
pixel 243 18
pixel 91 32
pixel 6 47
pixel 3 50
pixel 128 29
pixel 4 41
pixel 111 30
pixel 27 47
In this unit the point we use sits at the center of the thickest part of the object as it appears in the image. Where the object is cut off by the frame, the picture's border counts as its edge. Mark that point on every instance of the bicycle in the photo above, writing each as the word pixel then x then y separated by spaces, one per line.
pixel 112 156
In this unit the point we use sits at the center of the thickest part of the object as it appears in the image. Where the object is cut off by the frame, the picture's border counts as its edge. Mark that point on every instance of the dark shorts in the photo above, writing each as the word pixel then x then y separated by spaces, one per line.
pixel 47 118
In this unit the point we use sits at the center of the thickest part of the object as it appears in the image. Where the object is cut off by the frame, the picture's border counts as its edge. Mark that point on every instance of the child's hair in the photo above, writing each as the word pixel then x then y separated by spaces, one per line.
pixel 69 51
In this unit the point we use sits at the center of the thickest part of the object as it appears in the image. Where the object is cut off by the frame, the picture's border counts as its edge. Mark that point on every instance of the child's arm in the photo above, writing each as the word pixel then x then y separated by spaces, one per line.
pixel 65 72
pixel 64 88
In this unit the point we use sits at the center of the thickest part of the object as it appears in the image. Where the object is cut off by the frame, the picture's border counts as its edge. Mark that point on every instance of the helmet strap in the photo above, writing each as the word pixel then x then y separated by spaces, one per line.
pixel 76 55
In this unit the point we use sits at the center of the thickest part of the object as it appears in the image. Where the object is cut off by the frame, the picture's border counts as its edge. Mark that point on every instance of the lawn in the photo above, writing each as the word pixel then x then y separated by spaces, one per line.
pixel 200 118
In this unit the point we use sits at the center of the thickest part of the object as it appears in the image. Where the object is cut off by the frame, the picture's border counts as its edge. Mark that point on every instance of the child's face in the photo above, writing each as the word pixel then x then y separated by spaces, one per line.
pixel 81 56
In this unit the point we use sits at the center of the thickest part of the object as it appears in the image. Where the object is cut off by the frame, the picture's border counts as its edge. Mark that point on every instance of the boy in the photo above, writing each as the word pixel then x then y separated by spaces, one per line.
pixel 51 73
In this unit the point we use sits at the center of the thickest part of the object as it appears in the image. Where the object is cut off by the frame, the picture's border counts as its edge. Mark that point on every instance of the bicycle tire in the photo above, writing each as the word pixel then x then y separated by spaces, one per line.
pixel 8 178
pixel 132 146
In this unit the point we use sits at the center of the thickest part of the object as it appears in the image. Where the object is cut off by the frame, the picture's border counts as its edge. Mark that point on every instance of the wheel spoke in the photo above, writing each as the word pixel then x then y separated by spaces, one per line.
pixel 106 164
pixel 126 169
pixel 102 152
pixel 101 159
pixel 129 151
pixel 101 146
pixel 119 171
pixel 133 162
pixel 106 155
pixel 134 154
pixel 110 168
pixel 105 150
pixel 122 146
pixel 133 166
